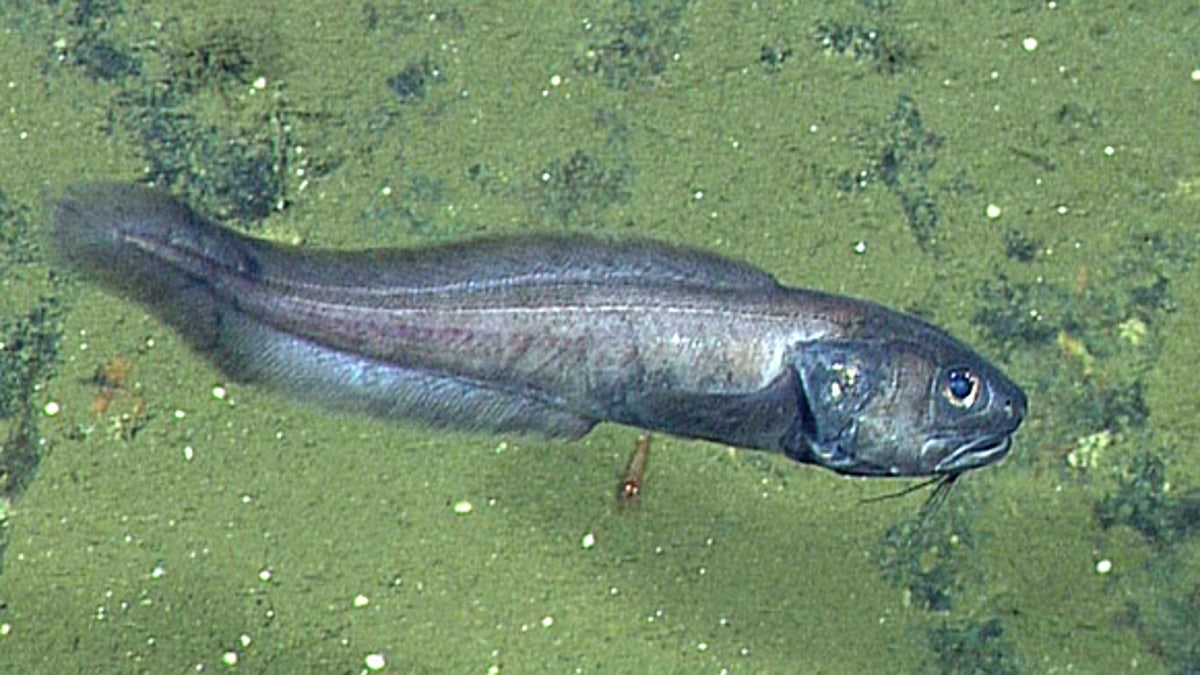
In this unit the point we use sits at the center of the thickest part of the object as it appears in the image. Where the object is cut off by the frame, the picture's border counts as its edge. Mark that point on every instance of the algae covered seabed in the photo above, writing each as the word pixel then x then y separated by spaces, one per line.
pixel 1024 175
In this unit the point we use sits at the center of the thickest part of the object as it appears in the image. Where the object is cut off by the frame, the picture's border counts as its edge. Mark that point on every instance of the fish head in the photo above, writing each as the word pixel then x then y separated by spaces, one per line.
pixel 919 405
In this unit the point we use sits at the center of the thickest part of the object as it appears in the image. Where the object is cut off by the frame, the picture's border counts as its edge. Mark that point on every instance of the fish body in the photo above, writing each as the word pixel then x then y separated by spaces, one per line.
pixel 553 334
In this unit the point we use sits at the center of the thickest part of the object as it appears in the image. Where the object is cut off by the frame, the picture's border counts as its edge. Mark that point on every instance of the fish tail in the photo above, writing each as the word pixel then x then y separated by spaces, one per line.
pixel 150 248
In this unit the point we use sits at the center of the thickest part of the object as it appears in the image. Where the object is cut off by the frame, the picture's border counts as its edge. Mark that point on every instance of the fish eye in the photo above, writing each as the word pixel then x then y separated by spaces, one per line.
pixel 961 387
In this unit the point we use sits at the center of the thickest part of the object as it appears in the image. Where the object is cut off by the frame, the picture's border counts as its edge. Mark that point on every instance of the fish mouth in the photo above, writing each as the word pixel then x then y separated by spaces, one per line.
pixel 975 453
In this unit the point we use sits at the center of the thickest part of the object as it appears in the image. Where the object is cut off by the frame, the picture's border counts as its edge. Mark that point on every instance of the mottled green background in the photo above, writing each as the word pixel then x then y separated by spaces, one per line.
pixel 783 133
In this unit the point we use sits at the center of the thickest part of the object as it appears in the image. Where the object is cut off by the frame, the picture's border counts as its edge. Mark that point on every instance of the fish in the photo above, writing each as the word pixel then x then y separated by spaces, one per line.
pixel 552 334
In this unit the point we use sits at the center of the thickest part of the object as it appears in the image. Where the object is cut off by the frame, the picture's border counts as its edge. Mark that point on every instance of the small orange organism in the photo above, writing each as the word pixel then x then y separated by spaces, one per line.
pixel 111 380
pixel 629 491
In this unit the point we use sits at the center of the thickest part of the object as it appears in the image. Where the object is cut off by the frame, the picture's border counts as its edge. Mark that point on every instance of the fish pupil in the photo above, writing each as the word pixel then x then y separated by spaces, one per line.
pixel 960 383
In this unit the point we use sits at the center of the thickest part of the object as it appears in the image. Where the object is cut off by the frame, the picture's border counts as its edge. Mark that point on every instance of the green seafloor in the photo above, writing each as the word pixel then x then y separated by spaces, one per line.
pixel 1026 174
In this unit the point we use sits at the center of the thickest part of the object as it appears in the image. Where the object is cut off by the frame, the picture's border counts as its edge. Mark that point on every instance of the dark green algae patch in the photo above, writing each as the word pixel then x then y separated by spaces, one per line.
pixel 119 551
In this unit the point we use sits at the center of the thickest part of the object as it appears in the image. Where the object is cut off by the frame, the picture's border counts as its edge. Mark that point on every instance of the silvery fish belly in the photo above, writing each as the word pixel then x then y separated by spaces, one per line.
pixel 553 334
